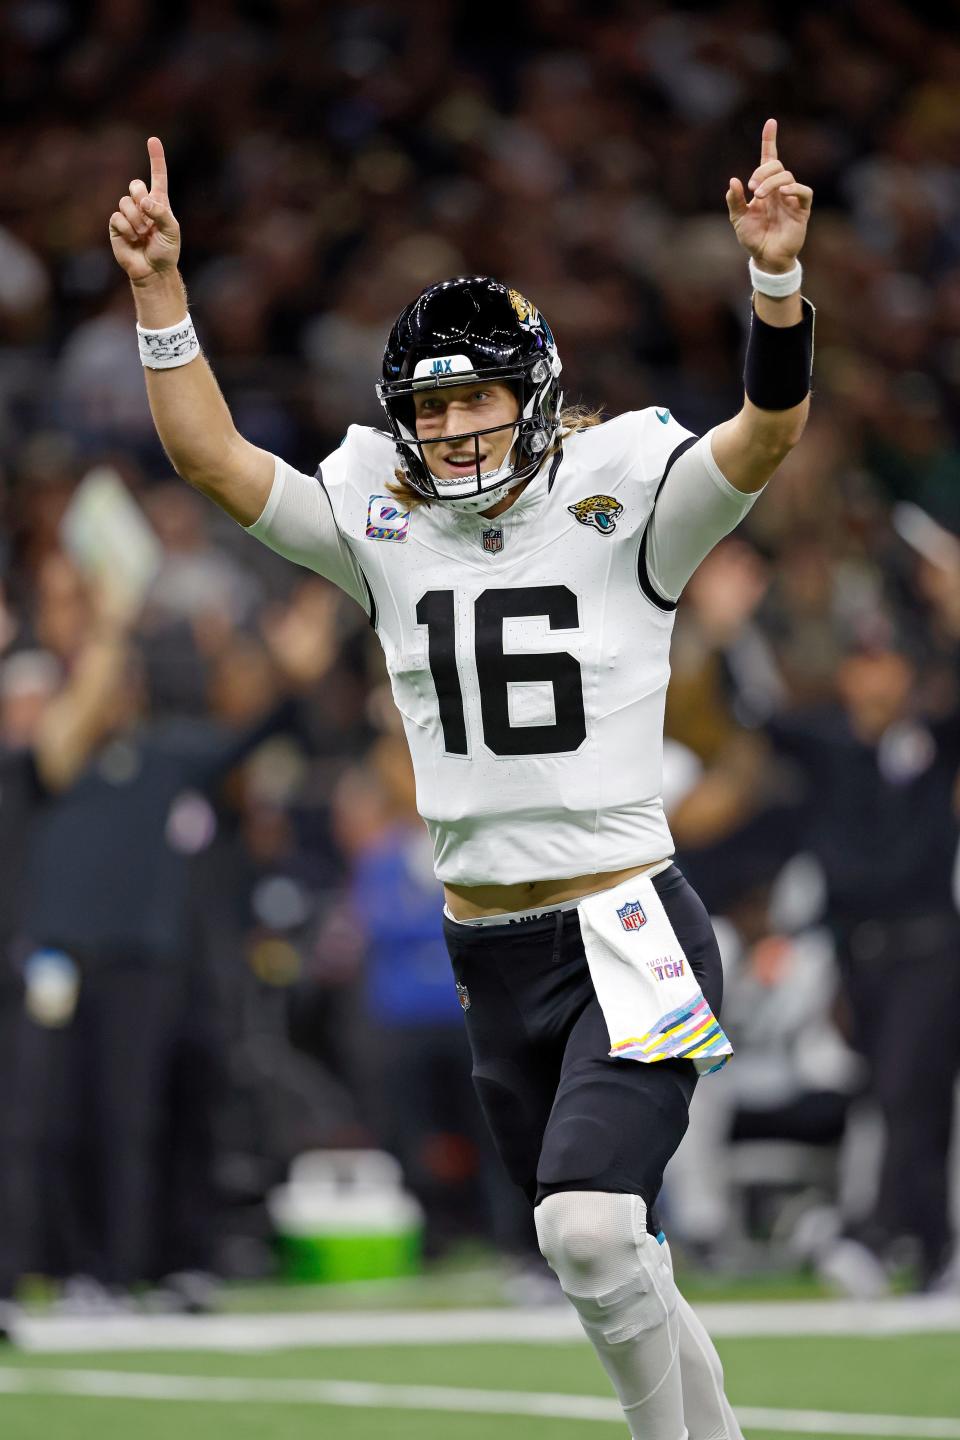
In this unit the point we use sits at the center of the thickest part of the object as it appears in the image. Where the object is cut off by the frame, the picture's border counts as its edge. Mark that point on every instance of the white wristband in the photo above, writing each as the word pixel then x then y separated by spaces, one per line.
pixel 167 348
pixel 777 286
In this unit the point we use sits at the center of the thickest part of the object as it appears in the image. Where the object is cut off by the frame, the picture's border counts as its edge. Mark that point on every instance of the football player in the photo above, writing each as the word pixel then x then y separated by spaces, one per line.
pixel 521 564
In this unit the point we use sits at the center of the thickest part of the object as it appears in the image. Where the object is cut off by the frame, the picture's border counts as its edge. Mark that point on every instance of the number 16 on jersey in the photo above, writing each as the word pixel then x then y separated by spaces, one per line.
pixel 497 670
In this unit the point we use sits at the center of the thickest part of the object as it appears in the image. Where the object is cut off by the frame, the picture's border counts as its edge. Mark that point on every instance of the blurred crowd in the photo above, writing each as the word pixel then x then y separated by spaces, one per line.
pixel 198 800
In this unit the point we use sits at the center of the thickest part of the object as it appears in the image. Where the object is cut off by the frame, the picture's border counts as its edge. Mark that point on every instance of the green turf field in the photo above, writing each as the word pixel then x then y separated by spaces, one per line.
pixel 872 1379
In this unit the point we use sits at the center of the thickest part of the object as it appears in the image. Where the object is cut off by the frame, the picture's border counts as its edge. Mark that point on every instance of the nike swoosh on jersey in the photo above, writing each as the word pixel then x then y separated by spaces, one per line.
pixel 663 416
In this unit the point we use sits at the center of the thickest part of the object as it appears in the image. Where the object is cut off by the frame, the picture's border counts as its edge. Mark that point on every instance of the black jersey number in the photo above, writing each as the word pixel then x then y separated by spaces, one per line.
pixel 496 670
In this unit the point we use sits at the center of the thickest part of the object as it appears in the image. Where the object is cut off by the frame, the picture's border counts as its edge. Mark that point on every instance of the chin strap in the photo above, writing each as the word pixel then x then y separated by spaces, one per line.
pixel 473 504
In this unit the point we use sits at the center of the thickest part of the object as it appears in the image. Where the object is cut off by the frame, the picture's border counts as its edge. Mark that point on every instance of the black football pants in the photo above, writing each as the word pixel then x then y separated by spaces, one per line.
pixel 564 1115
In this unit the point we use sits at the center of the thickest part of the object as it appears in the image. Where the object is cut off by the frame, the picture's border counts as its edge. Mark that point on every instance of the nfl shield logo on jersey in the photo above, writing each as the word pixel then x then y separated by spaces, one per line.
pixel 493 541
pixel 631 915
pixel 386 520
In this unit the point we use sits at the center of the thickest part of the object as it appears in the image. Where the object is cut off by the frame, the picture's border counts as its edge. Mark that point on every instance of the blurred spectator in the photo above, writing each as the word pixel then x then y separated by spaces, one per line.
pixel 879 784
pixel 48 727
pixel 431 1121
pixel 107 891
pixel 870 794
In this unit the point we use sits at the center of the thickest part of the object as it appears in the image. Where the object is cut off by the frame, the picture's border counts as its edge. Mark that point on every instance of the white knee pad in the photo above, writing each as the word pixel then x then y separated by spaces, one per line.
pixel 614 1273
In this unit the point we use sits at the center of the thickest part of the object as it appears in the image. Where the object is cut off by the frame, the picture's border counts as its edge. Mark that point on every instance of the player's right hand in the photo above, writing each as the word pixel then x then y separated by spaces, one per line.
pixel 143 231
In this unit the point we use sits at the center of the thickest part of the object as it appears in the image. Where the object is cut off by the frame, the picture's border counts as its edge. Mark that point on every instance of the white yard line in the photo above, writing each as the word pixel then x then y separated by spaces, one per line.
pixel 552 1324
pixel 111 1385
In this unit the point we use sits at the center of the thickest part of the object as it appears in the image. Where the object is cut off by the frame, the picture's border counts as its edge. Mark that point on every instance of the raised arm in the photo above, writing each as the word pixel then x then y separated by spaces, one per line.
pixel 771 227
pixel 190 413
pixel 77 719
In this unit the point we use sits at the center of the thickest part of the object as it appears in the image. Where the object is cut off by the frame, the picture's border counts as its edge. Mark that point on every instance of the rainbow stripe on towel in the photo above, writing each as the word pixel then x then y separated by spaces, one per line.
pixel 691 1032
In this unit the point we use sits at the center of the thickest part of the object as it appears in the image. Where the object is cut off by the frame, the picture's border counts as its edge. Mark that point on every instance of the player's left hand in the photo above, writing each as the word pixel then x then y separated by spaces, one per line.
pixel 772 225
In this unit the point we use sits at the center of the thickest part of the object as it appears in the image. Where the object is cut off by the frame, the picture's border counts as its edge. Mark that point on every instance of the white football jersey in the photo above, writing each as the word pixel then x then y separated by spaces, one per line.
pixel 528 655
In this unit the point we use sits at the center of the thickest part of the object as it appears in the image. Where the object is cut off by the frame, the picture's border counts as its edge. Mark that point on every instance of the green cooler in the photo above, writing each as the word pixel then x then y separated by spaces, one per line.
pixel 344 1215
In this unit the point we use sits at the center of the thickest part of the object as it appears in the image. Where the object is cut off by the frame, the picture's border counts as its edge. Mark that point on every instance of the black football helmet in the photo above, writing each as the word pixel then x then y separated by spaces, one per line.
pixel 472 328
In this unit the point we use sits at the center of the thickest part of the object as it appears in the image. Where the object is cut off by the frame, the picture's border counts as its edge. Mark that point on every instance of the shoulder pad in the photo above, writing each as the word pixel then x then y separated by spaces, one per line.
pixel 364 457
pixel 635 445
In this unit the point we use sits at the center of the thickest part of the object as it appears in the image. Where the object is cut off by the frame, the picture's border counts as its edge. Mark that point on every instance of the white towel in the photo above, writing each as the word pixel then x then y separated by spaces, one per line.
pixel 649 995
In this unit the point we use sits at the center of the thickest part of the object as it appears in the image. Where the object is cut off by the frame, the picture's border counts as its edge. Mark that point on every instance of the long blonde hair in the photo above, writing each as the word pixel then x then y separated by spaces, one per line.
pixel 571 419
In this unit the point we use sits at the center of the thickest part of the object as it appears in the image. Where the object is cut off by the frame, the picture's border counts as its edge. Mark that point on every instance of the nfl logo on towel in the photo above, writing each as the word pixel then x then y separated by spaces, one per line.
pixel 631 915
pixel 493 541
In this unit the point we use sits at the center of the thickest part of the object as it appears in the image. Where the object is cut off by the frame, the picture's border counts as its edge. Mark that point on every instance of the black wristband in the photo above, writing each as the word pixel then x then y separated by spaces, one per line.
pixel 779 361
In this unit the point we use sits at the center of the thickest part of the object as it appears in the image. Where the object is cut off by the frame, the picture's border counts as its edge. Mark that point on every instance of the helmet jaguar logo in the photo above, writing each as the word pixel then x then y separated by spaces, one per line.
pixel 526 310
pixel 600 511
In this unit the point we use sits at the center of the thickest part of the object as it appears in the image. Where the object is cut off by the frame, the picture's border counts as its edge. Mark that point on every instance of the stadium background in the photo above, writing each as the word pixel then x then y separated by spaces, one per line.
pixel 287 990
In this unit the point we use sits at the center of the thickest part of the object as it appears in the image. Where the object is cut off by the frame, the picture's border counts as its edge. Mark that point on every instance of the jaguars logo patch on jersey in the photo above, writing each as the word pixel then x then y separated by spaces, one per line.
pixel 600 511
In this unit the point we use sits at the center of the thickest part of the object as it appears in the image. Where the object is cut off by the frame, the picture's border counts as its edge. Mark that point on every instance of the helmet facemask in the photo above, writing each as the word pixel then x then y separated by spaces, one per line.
pixel 534 431
pixel 472 330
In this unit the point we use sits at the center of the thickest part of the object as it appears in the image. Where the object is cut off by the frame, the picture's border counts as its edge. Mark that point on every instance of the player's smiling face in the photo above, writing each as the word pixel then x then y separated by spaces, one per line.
pixel 457 410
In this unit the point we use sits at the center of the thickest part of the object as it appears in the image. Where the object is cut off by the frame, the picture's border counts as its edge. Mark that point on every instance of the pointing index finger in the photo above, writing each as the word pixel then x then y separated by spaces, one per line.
pixel 768 141
pixel 158 167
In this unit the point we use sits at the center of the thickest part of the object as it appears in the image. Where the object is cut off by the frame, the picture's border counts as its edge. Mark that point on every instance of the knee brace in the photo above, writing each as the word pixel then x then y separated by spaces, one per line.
pixel 611 1269
pixel 621 1285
